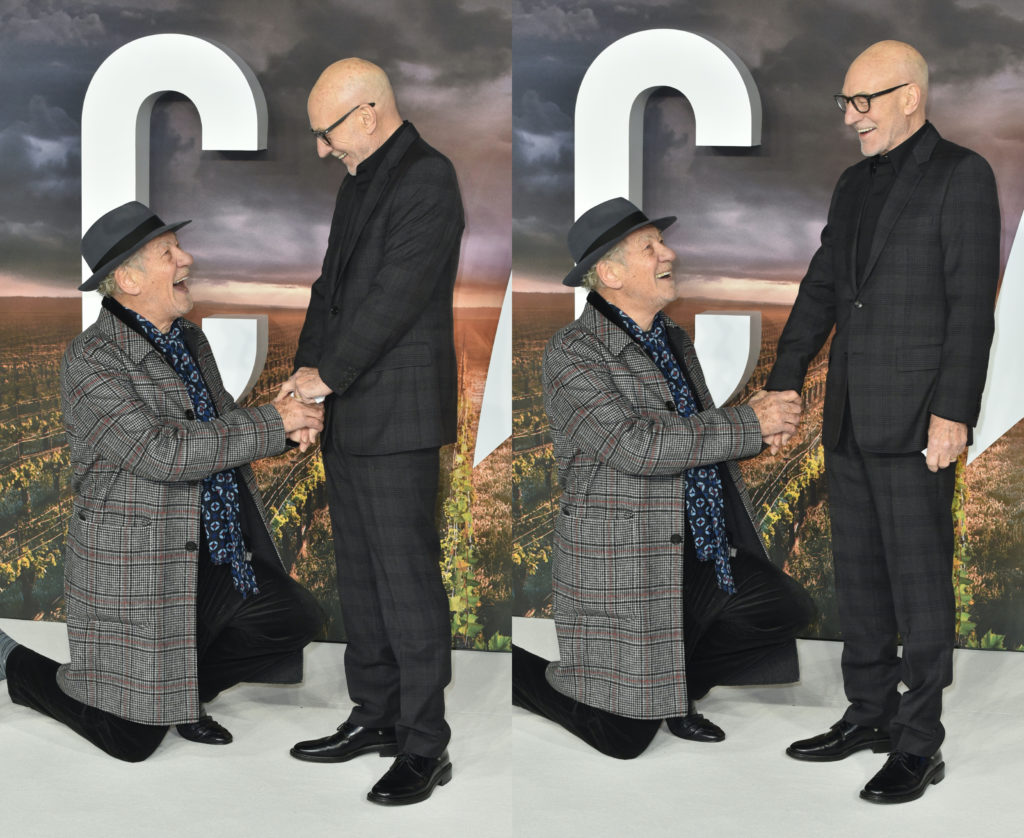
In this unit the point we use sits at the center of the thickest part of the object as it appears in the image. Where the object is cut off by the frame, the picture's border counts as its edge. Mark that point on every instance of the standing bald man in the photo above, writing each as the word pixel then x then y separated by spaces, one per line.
pixel 378 344
pixel 906 273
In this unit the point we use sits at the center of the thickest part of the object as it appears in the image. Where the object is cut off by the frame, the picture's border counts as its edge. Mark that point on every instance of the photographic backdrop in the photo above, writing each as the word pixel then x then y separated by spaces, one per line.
pixel 493 85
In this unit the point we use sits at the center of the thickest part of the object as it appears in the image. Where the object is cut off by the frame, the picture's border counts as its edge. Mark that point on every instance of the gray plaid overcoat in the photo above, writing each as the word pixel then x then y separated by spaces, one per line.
pixel 617 575
pixel 138 457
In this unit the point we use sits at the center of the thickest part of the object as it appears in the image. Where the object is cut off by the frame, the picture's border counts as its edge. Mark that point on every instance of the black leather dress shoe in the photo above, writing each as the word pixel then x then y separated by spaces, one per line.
pixel 841 740
pixel 410 779
pixel 904 777
pixel 696 728
pixel 207 731
pixel 349 741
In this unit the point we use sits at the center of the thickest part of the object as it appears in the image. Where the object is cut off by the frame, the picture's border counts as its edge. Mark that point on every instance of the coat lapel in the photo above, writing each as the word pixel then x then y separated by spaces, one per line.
pixel 909 176
pixel 375 190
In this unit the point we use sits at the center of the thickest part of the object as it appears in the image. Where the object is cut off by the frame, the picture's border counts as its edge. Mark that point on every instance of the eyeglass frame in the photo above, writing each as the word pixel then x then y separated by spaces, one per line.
pixel 842 101
pixel 322 135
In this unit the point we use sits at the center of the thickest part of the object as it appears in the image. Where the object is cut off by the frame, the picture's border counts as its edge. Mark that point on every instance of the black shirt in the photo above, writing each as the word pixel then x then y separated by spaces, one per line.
pixel 352 193
pixel 881 175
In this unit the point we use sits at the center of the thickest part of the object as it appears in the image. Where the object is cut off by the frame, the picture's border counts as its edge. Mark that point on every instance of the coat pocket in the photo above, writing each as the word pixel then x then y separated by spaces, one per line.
pixel 596 567
pixel 113 572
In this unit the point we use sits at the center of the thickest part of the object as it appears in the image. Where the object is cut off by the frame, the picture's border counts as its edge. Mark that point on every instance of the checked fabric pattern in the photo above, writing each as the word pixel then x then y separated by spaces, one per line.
pixel 220 509
pixel 705 502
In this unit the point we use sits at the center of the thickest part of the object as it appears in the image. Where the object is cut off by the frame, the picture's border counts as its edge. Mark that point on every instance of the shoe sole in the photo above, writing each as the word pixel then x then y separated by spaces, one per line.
pixel 881 747
pixel 937 776
pixel 442 780
pixel 381 750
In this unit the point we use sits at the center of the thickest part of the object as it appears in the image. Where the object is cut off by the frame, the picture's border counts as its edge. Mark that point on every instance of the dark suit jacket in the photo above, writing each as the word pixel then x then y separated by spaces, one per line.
pixel 379 324
pixel 913 333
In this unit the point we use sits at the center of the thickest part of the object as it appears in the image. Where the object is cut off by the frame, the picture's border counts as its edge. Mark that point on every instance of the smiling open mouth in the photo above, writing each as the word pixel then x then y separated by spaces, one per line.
pixel 664 275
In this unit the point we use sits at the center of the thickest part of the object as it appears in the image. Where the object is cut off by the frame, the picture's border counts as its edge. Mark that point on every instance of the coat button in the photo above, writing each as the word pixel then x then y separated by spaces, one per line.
pixel 334 309
pixel 189 414
pixel 676 538
pixel 191 546
pixel 670 405
pixel 858 304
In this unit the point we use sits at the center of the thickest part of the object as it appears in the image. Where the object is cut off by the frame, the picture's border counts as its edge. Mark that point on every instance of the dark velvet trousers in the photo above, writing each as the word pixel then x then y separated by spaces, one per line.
pixel 393 602
pixel 237 640
pixel 892 542
pixel 725 636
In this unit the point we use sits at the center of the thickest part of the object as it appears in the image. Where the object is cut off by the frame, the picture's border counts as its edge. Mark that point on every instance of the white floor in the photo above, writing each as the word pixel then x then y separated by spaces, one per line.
pixel 516 774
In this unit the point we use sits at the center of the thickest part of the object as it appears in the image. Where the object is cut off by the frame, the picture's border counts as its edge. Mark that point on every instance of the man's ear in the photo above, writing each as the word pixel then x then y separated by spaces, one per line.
pixel 367 118
pixel 609 274
pixel 912 99
pixel 127 281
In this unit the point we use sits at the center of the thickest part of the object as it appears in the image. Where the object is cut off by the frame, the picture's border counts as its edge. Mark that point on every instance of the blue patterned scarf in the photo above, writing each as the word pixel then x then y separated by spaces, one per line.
pixel 705 501
pixel 219 504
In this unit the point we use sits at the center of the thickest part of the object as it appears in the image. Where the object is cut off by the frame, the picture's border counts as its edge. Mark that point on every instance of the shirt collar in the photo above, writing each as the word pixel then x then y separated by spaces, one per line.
pixel 898 156
pixel 368 168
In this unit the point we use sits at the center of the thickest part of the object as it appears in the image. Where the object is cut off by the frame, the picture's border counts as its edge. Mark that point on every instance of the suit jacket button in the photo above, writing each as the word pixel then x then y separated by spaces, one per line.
pixel 858 304
pixel 191 546
pixel 189 414
pixel 676 538
pixel 670 405
pixel 334 309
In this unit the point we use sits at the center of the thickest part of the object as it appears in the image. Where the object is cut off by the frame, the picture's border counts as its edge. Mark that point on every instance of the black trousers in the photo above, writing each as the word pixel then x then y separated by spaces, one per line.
pixel 892 543
pixel 237 640
pixel 725 634
pixel 393 602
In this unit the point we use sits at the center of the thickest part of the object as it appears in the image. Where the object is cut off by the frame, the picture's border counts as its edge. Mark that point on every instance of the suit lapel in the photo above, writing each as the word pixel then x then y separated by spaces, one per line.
pixel 376 189
pixel 909 176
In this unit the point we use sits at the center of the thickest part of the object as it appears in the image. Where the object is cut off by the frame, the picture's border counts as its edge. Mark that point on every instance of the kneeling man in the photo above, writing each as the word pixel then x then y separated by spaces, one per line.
pixel 655 542
pixel 173 587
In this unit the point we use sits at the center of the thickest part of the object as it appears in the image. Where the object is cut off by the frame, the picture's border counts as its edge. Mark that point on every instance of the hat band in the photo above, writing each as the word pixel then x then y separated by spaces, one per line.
pixel 132 239
pixel 627 223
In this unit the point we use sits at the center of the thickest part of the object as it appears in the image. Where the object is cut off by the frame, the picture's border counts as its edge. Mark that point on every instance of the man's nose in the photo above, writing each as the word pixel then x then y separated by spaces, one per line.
pixel 184 257
pixel 323 149
pixel 851 114
pixel 667 253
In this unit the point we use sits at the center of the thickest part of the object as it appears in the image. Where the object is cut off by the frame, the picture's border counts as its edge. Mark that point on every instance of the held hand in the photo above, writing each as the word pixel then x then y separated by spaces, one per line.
pixel 778 413
pixel 946 439
pixel 307 385
pixel 305 437
pixel 298 416
pixel 776 442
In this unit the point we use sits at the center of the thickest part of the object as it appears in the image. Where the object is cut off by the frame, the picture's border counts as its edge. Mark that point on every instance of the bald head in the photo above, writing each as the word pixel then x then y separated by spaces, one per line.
pixel 893 116
pixel 897 60
pixel 360 89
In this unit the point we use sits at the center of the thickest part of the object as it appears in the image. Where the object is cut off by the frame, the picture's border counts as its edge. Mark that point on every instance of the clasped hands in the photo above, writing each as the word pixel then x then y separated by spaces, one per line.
pixel 779 415
pixel 778 412
pixel 299 403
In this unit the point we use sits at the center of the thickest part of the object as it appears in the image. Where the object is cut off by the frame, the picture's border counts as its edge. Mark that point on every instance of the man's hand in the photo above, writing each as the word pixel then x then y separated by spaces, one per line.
pixel 306 384
pixel 305 437
pixel 302 422
pixel 778 412
pixel 776 442
pixel 946 439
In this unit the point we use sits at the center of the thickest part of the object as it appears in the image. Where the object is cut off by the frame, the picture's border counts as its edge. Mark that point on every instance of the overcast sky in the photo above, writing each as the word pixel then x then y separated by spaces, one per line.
pixel 261 216
pixel 468 72
pixel 757 213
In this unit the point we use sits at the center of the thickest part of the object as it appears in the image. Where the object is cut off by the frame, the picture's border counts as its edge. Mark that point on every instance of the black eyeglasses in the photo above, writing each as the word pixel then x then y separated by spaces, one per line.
pixel 322 135
pixel 861 101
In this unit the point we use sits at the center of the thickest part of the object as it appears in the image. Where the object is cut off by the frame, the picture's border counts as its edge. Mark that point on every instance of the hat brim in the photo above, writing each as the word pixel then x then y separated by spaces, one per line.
pixel 92 283
pixel 575 277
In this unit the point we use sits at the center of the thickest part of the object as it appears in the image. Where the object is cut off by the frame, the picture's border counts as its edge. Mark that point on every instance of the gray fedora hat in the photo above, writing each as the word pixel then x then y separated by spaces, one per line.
pixel 117 235
pixel 602 227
